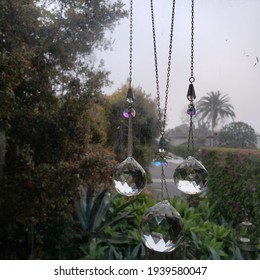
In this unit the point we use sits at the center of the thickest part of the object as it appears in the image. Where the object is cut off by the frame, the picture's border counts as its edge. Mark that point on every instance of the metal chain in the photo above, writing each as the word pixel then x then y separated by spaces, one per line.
pixel 131 44
pixel 162 116
pixel 130 96
pixel 156 65
pixel 192 79
pixel 190 147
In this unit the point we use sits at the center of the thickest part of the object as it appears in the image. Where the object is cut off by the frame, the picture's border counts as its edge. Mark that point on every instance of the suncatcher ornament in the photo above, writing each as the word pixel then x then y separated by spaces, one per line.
pixel 129 177
pixel 191 176
pixel 161 226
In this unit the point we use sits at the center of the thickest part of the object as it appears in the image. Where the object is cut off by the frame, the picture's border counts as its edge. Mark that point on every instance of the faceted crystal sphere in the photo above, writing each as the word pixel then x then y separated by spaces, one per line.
pixel 191 176
pixel 161 227
pixel 129 177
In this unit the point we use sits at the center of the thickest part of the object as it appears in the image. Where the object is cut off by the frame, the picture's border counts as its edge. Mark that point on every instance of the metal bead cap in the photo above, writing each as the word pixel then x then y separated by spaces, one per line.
pixel 130 97
pixel 191 96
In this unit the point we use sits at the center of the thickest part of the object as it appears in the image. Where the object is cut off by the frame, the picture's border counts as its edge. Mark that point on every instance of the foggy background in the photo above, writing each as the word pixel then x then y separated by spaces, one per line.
pixel 227 49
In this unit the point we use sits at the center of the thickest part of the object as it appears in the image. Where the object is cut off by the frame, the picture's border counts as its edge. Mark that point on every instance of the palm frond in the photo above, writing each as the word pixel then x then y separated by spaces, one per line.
pixel 214 107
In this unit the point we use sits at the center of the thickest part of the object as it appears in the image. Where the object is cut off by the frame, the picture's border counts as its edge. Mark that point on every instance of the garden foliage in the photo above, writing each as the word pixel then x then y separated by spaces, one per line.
pixel 234 182
pixel 117 235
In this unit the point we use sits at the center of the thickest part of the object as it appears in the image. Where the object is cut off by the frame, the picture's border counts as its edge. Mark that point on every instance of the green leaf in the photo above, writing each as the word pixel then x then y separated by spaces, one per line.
pixel 114 253
pixel 118 218
pixel 135 251
pixel 94 210
pixel 119 238
pixel 194 239
pixel 237 254
pixel 102 210
pixel 214 254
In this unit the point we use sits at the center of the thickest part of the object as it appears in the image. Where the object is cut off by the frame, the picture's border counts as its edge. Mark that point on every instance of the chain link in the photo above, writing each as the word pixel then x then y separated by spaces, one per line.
pixel 162 116
pixel 190 147
pixel 131 44
pixel 192 79
pixel 131 97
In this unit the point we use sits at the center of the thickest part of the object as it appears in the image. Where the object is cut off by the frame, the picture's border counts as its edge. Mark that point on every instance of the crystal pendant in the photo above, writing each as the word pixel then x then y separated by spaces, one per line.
pixel 129 177
pixel 162 147
pixel 161 227
pixel 191 176
pixel 161 159
pixel 191 110
pixel 130 97
pixel 127 113
pixel 191 96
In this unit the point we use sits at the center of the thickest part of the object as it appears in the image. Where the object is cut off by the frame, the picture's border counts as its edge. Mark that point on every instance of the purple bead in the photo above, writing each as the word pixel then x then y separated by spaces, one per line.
pixel 165 163
pixel 126 114
pixel 191 111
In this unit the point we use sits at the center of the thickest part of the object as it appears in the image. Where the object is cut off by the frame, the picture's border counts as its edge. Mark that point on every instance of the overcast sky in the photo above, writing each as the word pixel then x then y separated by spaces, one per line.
pixel 227 46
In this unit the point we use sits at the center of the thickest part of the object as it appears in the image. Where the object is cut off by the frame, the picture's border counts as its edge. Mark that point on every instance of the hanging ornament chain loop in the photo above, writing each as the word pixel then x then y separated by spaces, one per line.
pixel 192 79
pixel 130 94
pixel 191 176
pixel 131 43
pixel 191 96
pixel 162 115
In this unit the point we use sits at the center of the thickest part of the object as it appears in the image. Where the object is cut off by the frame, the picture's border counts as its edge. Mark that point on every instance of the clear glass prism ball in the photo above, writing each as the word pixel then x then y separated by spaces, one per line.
pixel 161 227
pixel 191 176
pixel 129 177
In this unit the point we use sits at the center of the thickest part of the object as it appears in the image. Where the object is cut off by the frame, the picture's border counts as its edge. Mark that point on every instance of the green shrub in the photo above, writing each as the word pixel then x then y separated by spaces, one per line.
pixel 110 224
pixel 234 178
pixel 206 234
pixel 181 150
pixel 117 235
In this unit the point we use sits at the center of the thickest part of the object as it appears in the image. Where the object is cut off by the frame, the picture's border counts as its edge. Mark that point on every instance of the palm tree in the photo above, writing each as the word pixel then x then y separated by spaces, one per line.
pixel 215 108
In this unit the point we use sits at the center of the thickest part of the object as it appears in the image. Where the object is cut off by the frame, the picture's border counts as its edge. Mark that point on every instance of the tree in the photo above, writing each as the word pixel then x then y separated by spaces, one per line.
pixel 237 135
pixel 215 108
pixel 43 49
pixel 51 112
pixel 145 125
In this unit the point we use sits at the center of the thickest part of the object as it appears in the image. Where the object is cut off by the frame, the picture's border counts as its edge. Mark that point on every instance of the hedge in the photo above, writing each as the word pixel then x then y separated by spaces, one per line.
pixel 234 182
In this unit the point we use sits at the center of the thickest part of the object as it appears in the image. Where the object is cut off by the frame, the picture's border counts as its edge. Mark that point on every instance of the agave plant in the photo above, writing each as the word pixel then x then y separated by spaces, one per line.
pixel 106 228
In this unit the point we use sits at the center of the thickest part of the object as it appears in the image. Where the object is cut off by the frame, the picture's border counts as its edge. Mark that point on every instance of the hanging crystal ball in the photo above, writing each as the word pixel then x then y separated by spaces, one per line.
pixel 191 176
pixel 129 177
pixel 161 227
